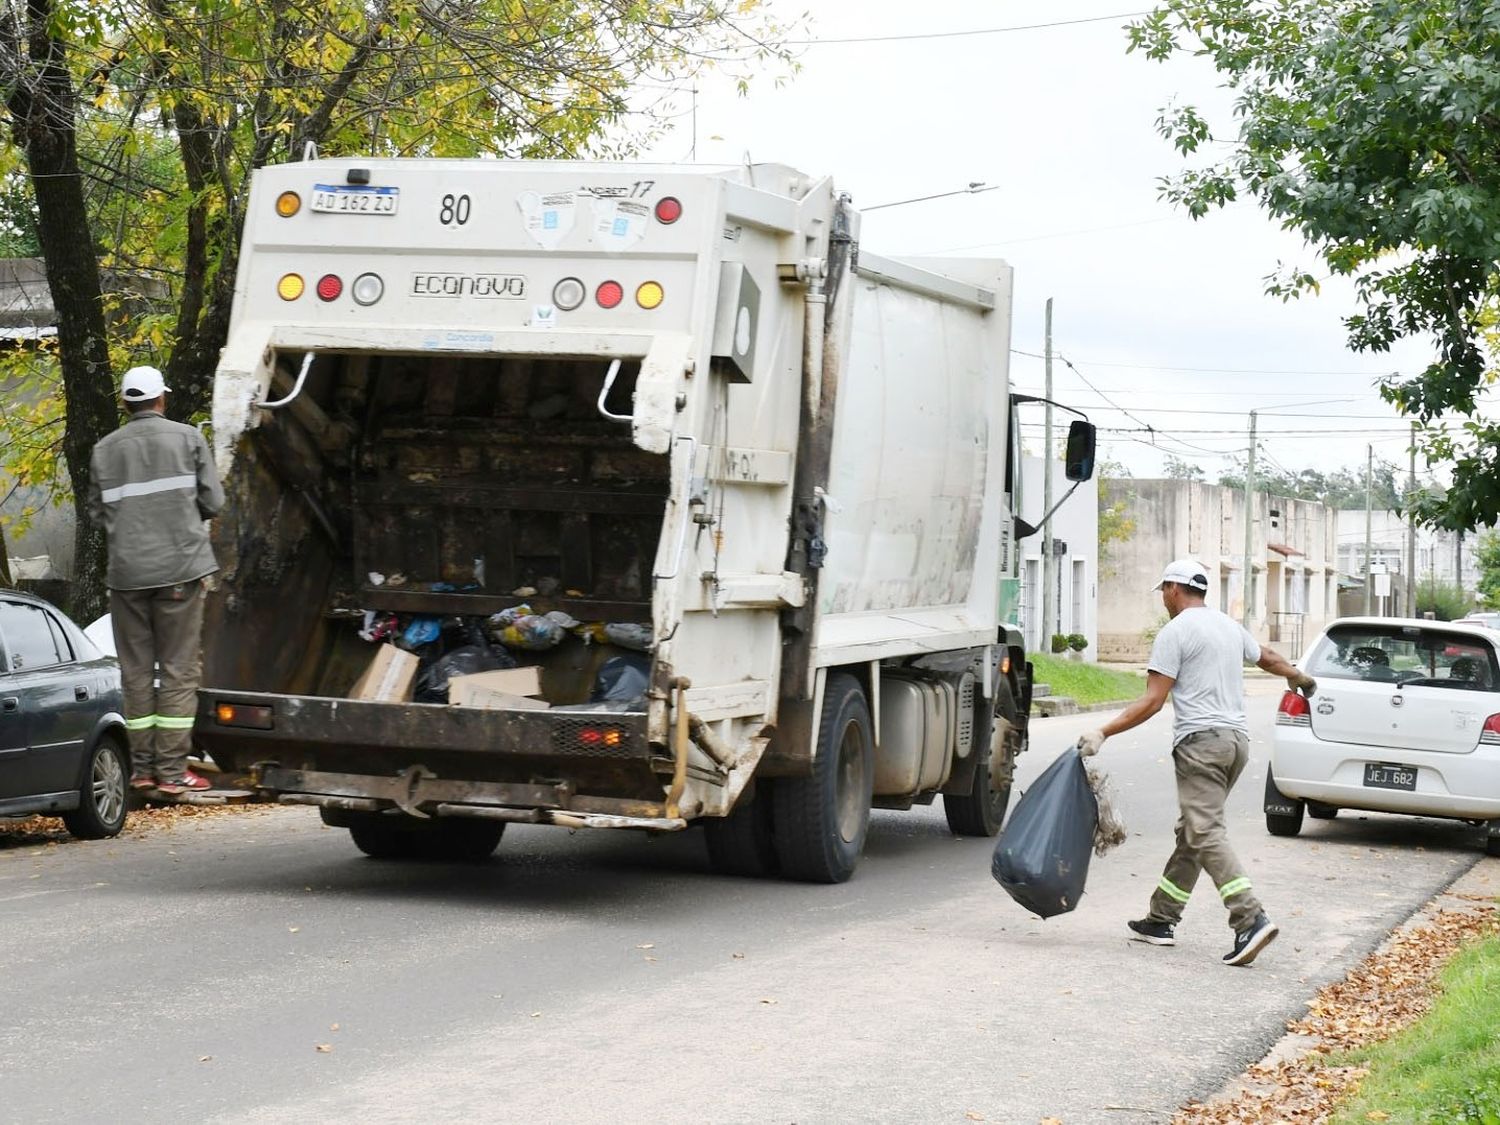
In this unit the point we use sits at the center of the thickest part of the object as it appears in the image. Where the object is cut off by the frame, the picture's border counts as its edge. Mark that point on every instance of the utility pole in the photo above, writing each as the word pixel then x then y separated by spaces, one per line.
pixel 1411 531
pixel 1049 561
pixel 1248 575
pixel 1369 514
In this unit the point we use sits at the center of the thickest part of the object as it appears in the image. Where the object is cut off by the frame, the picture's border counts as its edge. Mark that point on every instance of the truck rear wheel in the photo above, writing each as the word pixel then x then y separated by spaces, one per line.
pixel 821 821
pixel 458 841
pixel 981 811
pixel 741 843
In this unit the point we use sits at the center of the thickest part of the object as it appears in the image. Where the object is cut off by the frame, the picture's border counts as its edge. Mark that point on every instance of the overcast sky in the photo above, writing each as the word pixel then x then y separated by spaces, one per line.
pixel 1166 317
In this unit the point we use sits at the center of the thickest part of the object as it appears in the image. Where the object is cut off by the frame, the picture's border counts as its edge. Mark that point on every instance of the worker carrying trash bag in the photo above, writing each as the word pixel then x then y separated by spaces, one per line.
pixel 1198 659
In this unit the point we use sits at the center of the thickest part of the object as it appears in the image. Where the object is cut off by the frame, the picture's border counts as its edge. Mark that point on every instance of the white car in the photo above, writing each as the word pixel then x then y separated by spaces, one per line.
pixel 1405 719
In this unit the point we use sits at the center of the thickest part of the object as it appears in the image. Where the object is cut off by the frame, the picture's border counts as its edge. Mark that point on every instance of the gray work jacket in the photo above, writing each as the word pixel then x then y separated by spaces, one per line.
pixel 153 484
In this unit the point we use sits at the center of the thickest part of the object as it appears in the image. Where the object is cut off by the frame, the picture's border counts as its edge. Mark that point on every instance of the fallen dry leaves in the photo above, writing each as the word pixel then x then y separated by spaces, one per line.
pixel 141 822
pixel 1386 992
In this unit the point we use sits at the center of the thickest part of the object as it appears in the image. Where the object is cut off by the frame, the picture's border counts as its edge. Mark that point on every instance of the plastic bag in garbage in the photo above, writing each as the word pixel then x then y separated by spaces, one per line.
pixel 1042 855
pixel 423 630
pixel 622 679
pixel 432 681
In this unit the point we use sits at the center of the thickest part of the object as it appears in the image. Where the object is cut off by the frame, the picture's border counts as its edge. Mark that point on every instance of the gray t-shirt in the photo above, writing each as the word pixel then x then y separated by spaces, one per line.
pixel 1205 652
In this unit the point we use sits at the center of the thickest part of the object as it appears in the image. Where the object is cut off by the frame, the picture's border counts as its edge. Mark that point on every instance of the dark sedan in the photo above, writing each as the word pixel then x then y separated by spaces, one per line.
pixel 62 727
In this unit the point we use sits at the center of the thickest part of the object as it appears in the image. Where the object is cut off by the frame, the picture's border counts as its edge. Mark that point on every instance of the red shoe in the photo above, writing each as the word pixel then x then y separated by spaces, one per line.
pixel 190 783
pixel 143 783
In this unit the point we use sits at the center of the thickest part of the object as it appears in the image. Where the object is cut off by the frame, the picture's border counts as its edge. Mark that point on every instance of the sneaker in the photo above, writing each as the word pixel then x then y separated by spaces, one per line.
pixel 190 783
pixel 1153 933
pixel 143 783
pixel 1250 941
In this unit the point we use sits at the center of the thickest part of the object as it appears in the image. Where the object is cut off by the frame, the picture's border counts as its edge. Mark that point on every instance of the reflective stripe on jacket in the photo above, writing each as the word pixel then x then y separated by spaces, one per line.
pixel 153 485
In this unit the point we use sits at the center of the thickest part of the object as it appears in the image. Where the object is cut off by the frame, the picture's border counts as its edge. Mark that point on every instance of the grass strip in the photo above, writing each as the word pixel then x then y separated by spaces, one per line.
pixel 1085 682
pixel 1445 1067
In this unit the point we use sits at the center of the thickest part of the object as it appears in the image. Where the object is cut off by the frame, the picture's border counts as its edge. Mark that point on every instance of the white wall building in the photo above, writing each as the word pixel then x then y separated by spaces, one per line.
pixel 1075 530
pixel 1447 556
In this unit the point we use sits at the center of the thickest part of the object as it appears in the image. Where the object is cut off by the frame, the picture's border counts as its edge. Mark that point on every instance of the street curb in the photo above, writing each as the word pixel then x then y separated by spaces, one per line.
pixel 1058 706
pixel 1483 879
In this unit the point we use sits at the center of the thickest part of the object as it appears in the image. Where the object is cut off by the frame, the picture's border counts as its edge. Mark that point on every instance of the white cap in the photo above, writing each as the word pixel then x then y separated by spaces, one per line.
pixel 1185 572
pixel 142 384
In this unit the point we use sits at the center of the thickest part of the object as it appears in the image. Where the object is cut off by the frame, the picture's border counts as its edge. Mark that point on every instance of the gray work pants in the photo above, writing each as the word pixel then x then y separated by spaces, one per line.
pixel 159 628
pixel 1208 764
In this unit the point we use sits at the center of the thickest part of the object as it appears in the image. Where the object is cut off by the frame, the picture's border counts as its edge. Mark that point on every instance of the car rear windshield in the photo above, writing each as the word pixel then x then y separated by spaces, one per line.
pixel 1405 654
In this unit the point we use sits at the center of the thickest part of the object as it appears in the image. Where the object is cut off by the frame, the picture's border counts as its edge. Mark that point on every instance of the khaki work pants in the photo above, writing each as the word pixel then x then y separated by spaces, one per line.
pixel 161 627
pixel 1208 764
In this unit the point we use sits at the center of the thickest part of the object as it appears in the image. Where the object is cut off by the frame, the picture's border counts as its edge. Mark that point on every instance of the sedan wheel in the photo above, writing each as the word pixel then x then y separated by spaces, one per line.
pixel 101 808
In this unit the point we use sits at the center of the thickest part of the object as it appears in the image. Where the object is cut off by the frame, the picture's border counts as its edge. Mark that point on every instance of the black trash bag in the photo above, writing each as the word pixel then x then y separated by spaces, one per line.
pixel 1042 855
pixel 622 679
pixel 432 681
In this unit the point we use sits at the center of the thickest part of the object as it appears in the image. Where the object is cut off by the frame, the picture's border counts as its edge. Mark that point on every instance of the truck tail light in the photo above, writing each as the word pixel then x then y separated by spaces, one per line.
pixel 609 294
pixel 253 716
pixel 568 294
pixel 668 209
pixel 288 203
pixel 1294 711
pixel 649 294
pixel 290 287
pixel 367 289
pixel 330 285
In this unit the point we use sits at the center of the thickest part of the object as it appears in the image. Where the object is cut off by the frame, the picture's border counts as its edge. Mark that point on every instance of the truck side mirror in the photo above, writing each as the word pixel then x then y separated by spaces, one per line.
pixel 1078 460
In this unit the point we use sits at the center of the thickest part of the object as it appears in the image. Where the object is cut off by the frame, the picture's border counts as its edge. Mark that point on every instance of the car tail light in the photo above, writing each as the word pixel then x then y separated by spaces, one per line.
pixel 1294 711
pixel 250 715
pixel 609 294
pixel 1490 735
pixel 330 285
pixel 668 209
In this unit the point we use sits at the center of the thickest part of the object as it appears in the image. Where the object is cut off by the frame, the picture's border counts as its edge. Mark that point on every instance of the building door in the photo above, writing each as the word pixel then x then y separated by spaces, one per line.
pixel 1080 623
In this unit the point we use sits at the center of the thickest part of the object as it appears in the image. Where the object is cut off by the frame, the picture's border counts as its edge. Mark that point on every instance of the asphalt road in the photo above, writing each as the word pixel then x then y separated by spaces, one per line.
pixel 192 974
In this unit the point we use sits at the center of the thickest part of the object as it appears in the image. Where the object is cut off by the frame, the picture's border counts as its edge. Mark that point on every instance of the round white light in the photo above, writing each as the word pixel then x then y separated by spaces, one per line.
pixel 568 294
pixel 367 289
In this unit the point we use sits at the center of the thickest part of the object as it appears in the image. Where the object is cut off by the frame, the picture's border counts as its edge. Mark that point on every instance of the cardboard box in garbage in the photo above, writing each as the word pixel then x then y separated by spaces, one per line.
pixel 388 679
pixel 509 689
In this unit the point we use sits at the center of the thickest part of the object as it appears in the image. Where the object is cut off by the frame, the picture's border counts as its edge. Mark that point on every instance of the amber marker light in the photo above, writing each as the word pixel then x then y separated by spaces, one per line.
pixel 649 294
pixel 288 203
pixel 290 287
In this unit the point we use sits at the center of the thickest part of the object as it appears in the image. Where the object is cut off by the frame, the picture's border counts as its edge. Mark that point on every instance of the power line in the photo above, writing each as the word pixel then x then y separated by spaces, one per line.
pixel 1218 370
pixel 959 34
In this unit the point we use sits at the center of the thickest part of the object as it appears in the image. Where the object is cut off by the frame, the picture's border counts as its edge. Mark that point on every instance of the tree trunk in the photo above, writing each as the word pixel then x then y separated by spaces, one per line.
pixel 44 120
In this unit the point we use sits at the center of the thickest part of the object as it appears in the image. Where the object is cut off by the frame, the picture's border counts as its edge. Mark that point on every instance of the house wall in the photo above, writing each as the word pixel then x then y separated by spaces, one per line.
pixel 1293 562
pixel 1076 524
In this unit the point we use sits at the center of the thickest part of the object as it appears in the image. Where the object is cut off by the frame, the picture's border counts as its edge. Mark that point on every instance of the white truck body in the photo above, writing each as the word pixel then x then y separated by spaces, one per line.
pixel 832 430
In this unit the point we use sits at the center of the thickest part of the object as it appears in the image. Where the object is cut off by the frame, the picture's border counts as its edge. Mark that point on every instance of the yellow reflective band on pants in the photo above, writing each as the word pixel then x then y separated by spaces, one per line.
pixel 145 722
pixel 1234 887
pixel 1172 890
pixel 174 722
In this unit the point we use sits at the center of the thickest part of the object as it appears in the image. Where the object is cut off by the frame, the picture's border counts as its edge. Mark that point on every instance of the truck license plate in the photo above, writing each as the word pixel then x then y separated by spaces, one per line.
pixel 341 199
pixel 1386 775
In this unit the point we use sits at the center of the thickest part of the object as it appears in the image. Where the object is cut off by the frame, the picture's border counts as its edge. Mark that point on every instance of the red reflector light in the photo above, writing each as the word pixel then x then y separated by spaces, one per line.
pixel 593 736
pixel 609 294
pixel 330 286
pixel 668 209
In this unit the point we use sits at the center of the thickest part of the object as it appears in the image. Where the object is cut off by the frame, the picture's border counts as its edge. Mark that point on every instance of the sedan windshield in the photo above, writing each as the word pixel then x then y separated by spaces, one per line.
pixel 1405 654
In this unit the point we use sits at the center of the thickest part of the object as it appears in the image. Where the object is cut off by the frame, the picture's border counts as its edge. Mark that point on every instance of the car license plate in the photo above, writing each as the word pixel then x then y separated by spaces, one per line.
pixel 341 199
pixel 1386 775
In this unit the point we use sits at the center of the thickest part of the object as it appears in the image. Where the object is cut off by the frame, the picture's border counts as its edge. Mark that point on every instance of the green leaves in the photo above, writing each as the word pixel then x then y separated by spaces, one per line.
pixel 1370 128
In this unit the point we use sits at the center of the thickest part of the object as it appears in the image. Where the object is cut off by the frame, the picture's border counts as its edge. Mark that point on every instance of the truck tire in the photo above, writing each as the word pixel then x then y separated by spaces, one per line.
pixel 821 821
pixel 741 843
pixel 981 811
pixel 103 796
pixel 1492 838
pixel 456 841
pixel 1283 813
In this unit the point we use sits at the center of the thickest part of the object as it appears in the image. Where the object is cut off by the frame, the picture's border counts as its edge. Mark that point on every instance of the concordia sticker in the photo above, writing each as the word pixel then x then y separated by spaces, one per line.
pixel 486 286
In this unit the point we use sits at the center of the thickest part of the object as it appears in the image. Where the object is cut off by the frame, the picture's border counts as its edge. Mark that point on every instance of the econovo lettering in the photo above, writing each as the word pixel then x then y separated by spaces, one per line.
pixel 491 286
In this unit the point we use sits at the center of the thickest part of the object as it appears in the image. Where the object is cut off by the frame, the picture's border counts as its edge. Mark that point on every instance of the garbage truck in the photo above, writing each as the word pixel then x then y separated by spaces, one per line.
pixel 611 496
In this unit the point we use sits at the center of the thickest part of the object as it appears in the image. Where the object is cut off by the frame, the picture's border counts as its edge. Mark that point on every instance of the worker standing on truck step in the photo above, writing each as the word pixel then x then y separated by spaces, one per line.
pixel 152 487
pixel 1198 659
